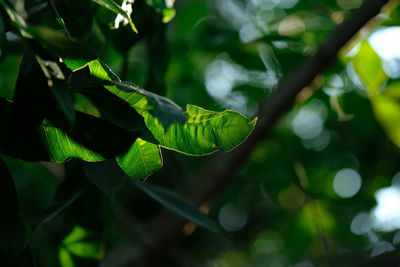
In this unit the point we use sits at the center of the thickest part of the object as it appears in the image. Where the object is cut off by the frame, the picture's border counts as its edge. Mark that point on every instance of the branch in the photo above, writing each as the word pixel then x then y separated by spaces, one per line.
pixel 166 228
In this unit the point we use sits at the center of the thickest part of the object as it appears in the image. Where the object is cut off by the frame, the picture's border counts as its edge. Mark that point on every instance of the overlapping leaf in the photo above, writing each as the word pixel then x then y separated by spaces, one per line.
pixel 195 132
pixel 142 159
pixel 162 122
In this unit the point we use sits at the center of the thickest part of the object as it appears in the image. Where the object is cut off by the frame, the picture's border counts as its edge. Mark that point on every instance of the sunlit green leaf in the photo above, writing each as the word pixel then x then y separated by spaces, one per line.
pixel 392 90
pixel 204 132
pixel 114 7
pixel 65 258
pixel 387 112
pixel 89 250
pixel 142 159
pixel 178 205
pixel 168 14
pixel 368 66
pixel 166 111
pixel 77 234
pixel 197 132
pixel 61 146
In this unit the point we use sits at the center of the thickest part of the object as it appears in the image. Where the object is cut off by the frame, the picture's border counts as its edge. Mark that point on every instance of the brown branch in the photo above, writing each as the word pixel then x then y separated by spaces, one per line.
pixel 166 228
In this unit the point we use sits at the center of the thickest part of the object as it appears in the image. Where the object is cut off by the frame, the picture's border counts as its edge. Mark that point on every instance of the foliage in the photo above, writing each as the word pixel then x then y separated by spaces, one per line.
pixel 86 90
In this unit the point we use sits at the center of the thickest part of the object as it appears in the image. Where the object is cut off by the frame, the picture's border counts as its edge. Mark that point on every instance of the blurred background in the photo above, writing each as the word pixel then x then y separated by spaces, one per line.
pixel 322 190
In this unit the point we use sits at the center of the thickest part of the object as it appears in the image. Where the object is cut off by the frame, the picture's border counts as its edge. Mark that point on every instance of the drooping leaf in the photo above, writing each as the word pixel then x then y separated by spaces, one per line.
pixel 368 66
pixel 114 7
pixel 197 132
pixel 142 159
pixel 204 132
pixel 178 205
pixel 164 109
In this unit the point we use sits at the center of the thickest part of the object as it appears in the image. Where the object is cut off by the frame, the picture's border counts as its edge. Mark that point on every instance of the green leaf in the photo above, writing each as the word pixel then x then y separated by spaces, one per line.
pixel 142 159
pixel 61 147
pixel 89 250
pixel 195 132
pixel 88 140
pixel 387 112
pixel 65 258
pixel 178 205
pixel 166 111
pixel 75 244
pixel 392 90
pixel 77 234
pixel 114 7
pixel 204 131
pixel 115 110
pixel 168 14
pixel 368 66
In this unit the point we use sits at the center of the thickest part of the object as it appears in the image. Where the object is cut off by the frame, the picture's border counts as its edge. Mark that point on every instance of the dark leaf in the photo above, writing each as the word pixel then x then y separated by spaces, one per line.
pixel 178 205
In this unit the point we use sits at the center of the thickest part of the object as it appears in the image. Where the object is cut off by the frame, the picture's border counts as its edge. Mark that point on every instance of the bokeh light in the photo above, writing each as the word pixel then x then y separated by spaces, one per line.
pixel 232 217
pixel 347 183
